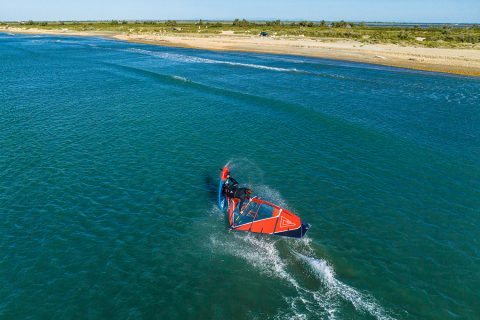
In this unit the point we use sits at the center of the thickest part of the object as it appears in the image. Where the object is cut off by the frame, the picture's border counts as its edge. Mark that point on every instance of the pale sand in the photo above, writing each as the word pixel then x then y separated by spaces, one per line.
pixel 457 61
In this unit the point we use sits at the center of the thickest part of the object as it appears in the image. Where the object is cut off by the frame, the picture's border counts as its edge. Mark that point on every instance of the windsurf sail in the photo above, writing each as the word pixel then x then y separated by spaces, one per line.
pixel 260 216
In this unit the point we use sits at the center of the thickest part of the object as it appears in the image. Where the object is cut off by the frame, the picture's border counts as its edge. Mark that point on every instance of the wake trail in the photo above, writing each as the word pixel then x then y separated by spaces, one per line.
pixel 266 256
pixel 325 273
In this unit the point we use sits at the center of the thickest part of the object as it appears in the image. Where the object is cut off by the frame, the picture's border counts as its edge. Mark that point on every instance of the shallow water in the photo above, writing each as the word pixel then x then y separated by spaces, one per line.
pixel 109 158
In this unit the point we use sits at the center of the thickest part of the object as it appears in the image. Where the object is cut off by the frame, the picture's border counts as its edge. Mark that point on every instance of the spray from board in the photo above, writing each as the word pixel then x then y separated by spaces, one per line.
pixel 265 256
pixel 277 258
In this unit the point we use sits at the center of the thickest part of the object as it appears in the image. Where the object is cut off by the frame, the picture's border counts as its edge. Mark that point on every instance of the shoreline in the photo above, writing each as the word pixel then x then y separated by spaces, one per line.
pixel 444 60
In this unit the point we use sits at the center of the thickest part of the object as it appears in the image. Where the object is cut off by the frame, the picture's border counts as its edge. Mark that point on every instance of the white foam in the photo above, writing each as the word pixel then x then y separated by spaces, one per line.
pixel 325 273
pixel 257 66
pixel 191 59
pixel 321 269
pixel 262 254
pixel 259 253
pixel 180 78
pixel 293 312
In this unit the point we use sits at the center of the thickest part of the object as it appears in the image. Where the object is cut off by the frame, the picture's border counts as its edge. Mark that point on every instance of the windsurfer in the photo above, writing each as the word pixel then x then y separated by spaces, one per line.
pixel 232 190
pixel 230 186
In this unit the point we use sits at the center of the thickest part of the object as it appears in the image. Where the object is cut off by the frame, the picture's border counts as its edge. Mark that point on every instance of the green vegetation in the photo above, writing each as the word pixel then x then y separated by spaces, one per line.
pixel 430 36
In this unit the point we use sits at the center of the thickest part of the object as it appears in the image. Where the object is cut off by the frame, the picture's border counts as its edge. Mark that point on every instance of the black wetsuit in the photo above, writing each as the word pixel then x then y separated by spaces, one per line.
pixel 241 193
pixel 230 186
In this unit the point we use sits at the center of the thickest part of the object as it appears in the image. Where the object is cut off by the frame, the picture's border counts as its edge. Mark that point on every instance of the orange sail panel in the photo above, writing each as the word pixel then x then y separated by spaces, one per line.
pixel 261 216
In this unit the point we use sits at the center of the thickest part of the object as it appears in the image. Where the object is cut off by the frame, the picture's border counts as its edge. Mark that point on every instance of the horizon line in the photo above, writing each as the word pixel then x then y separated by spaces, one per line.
pixel 231 20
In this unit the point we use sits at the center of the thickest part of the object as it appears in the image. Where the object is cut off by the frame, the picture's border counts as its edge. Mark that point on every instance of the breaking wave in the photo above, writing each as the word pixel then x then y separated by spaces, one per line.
pixel 180 78
pixel 191 59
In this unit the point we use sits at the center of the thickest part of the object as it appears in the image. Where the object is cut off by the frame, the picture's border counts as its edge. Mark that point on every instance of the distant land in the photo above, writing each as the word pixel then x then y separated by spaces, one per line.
pixel 287 21
pixel 442 47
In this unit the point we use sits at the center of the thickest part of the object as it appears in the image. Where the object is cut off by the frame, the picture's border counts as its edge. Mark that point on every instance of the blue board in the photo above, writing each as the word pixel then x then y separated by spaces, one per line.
pixel 221 197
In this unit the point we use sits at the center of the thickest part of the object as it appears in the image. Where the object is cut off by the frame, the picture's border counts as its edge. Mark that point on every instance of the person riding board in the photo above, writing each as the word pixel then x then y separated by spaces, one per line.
pixel 230 186
pixel 232 190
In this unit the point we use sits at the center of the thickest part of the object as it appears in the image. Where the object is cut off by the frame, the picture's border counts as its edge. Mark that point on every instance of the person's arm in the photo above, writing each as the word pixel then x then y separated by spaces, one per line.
pixel 233 181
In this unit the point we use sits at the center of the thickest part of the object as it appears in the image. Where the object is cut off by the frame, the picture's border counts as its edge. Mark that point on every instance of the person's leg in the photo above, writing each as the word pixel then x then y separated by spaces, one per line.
pixel 243 196
pixel 240 204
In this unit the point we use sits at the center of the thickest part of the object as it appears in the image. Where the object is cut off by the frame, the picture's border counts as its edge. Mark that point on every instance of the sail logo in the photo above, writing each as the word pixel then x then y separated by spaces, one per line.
pixel 285 223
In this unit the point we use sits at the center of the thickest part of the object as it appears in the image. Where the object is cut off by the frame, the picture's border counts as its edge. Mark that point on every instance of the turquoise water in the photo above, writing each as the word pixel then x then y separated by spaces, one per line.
pixel 109 158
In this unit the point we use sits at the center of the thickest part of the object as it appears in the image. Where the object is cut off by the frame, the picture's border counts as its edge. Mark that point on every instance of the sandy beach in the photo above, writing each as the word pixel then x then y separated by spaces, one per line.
pixel 455 61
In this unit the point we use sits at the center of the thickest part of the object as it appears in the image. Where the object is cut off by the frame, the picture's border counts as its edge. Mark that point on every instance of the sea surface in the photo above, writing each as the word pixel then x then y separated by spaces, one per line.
pixel 110 154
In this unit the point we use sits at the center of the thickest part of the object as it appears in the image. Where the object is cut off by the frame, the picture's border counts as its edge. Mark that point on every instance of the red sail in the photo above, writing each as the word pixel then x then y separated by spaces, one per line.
pixel 260 216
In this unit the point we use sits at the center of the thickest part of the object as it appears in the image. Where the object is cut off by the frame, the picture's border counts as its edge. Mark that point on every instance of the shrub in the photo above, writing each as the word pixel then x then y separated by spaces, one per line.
pixel 403 35
pixel 340 24
pixel 241 23
pixel 273 23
